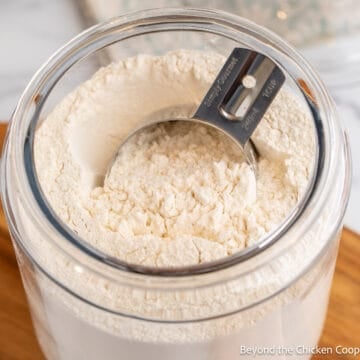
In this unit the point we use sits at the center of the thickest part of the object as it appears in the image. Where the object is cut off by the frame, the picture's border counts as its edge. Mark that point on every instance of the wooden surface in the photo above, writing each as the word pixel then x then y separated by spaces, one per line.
pixel 18 342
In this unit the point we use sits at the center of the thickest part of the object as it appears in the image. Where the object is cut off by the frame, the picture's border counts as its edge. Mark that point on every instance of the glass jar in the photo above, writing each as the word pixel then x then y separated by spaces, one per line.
pixel 86 305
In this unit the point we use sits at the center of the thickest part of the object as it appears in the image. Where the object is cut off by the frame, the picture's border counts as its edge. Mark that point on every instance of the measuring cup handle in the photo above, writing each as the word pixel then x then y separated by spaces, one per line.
pixel 228 93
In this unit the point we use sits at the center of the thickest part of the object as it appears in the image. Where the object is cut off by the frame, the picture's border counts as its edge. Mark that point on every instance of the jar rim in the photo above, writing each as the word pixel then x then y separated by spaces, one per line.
pixel 68 55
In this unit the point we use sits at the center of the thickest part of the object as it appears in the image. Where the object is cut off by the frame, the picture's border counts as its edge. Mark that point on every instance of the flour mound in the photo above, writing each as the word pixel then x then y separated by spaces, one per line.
pixel 179 193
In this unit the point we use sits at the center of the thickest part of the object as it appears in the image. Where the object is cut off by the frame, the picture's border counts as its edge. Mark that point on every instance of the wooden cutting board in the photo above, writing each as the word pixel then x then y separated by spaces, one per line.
pixel 342 326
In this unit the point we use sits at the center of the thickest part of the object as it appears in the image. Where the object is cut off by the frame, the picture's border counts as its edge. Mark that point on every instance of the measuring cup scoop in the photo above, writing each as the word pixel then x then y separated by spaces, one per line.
pixel 237 100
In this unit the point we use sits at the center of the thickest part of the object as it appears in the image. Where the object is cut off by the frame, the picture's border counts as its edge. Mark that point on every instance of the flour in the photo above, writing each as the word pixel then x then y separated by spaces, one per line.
pixel 175 195
pixel 178 194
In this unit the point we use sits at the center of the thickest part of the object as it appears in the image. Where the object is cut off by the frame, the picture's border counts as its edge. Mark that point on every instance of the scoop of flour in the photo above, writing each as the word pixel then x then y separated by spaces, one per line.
pixel 181 184
pixel 177 194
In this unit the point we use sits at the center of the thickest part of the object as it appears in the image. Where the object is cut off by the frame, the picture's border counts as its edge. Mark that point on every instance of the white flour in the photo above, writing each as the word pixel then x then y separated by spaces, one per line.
pixel 177 195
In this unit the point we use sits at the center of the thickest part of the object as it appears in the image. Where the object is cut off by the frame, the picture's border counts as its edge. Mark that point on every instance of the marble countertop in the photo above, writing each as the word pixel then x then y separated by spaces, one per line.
pixel 31 30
